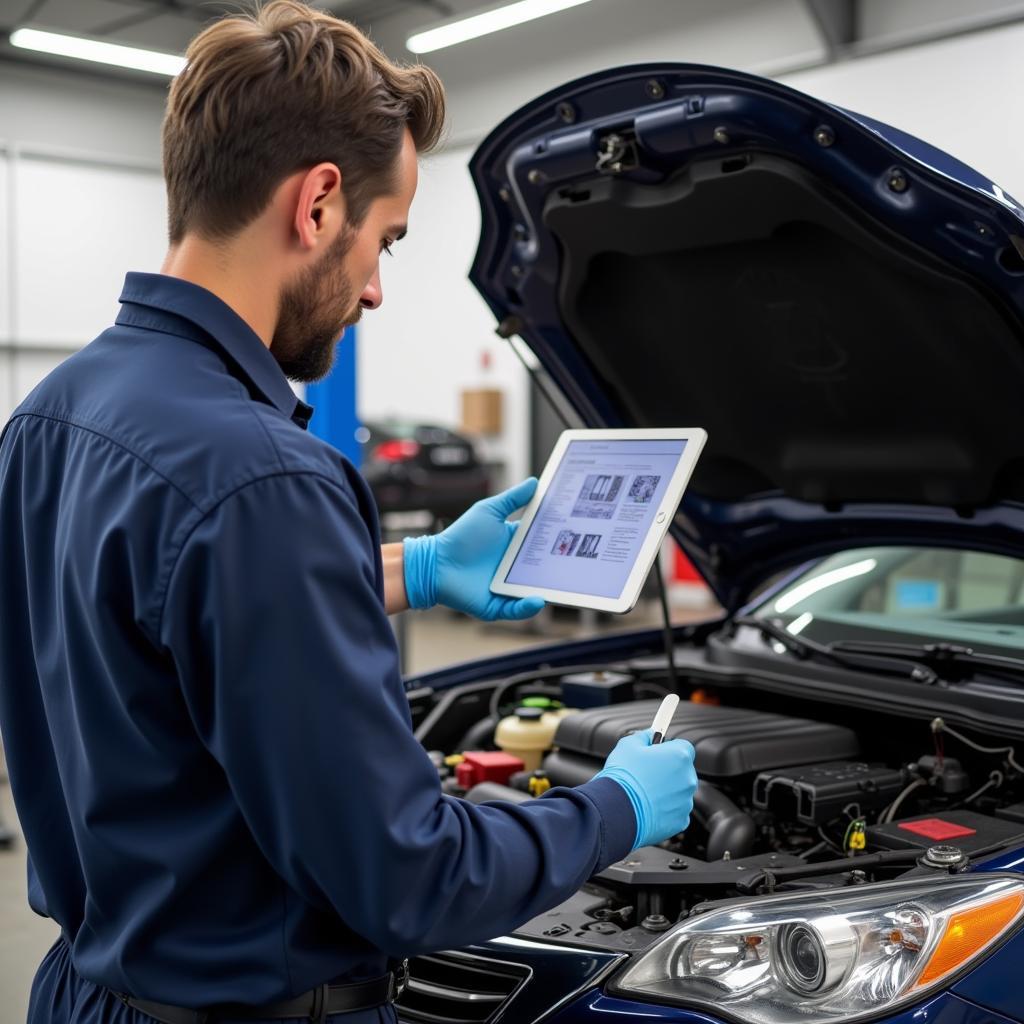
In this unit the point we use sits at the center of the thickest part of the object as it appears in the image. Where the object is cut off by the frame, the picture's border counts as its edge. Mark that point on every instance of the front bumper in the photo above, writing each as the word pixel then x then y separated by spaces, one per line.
pixel 563 985
pixel 596 1008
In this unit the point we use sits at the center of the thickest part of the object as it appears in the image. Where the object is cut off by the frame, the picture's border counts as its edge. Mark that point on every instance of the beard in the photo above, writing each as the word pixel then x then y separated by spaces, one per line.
pixel 315 311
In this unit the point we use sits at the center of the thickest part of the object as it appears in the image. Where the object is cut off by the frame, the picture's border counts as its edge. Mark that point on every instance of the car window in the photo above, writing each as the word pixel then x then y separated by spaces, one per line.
pixel 907 593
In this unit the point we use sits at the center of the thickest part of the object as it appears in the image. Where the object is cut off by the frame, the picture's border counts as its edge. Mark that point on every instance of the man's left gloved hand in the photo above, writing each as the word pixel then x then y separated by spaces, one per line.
pixel 455 567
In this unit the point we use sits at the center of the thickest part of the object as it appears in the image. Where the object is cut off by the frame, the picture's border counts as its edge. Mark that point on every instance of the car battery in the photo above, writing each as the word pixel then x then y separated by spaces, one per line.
pixel 817 793
pixel 964 829
pixel 486 766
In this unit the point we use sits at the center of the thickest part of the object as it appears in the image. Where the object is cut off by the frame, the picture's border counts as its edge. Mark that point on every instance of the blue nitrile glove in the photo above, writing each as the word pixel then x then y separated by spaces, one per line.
pixel 455 567
pixel 659 780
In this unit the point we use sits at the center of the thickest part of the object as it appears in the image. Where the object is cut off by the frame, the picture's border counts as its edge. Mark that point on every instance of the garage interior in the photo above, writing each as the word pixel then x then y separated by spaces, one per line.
pixel 424 387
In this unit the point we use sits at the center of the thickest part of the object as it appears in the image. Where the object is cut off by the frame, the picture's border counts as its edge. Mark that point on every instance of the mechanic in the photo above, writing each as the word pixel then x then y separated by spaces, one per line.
pixel 207 735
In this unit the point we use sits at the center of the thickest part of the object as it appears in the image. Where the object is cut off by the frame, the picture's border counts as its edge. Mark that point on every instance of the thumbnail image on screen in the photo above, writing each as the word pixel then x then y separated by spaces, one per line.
pixel 598 496
pixel 566 543
pixel 641 490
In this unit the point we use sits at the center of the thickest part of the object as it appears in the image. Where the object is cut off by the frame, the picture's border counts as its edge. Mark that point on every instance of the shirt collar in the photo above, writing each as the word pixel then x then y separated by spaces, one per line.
pixel 192 303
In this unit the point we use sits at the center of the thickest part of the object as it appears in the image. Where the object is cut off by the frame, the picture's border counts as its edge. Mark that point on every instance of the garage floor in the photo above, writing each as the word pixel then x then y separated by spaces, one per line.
pixel 432 639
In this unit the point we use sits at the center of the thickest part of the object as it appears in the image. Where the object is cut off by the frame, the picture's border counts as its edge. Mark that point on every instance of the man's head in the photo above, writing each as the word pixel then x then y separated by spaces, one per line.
pixel 289 130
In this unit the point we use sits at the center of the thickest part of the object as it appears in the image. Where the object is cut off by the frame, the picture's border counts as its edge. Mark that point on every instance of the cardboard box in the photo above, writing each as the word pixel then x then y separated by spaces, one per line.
pixel 482 411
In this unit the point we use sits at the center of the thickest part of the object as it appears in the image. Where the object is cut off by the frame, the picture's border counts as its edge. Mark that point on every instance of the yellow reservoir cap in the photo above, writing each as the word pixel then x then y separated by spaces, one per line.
pixel 967 933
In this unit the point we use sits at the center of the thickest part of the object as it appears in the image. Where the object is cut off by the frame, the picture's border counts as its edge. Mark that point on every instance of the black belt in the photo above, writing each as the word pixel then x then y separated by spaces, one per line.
pixel 315 1004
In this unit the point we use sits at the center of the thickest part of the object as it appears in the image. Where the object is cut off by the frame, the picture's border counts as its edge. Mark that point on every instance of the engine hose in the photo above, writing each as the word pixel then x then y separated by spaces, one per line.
pixel 479 736
pixel 730 830
pixel 484 791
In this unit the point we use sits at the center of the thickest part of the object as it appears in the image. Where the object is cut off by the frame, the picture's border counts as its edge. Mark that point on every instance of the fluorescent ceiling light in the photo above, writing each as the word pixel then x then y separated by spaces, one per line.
pixel 98 52
pixel 484 23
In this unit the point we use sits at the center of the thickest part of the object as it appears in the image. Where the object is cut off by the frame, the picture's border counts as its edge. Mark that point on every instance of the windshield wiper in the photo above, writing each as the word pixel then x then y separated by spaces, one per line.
pixel 941 656
pixel 837 654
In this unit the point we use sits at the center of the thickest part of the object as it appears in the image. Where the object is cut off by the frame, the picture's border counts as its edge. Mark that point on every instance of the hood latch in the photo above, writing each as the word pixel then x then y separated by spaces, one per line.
pixel 617 153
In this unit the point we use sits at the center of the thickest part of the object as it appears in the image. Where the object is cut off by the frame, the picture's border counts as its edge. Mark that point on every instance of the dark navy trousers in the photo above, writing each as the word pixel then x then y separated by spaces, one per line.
pixel 60 995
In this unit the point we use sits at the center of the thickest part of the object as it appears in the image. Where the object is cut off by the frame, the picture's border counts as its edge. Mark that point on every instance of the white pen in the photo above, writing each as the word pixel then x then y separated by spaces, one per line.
pixel 663 719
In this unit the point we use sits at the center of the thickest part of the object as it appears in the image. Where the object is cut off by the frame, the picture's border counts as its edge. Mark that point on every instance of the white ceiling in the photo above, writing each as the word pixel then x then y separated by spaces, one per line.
pixel 168 25
pixel 487 77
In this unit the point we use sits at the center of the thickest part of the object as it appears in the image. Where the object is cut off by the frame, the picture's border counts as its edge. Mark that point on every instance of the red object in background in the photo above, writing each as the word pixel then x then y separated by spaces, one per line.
pixel 487 766
pixel 396 451
pixel 937 829
pixel 682 568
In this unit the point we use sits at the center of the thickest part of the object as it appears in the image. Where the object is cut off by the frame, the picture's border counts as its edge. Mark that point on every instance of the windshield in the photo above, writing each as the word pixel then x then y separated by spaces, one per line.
pixel 907 594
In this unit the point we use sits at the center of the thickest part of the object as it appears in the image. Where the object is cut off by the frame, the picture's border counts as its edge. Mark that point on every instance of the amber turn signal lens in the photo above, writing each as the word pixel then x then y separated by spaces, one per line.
pixel 967 933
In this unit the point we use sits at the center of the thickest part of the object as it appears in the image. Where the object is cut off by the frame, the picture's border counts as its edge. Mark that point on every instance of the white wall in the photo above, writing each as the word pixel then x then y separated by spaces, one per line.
pixel 81 202
pixel 76 249
pixel 77 112
pixel 425 342
pixel 6 209
pixel 959 94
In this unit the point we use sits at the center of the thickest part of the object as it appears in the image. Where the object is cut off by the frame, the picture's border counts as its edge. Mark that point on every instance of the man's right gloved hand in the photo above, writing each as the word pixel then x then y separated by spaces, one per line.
pixel 659 780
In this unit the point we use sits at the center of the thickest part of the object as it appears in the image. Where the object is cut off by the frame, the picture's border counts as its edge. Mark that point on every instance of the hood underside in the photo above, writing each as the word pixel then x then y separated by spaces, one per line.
pixel 840 306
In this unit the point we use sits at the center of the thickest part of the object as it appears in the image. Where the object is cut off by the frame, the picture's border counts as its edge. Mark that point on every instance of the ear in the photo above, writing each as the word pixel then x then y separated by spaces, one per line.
pixel 320 208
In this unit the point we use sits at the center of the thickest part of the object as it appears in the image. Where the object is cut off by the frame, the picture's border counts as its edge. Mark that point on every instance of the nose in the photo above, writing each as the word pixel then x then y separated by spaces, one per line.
pixel 372 295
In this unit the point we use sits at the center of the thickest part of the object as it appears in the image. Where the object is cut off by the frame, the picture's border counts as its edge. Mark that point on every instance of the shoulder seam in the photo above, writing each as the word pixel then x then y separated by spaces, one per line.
pixel 204 513
pixel 110 440
pixel 268 436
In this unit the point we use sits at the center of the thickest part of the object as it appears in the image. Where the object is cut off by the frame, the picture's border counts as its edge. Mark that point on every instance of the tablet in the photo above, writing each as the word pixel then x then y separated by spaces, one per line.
pixel 593 529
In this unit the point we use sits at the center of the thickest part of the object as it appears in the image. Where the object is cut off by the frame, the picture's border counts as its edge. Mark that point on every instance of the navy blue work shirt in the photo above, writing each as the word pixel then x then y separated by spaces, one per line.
pixel 207 734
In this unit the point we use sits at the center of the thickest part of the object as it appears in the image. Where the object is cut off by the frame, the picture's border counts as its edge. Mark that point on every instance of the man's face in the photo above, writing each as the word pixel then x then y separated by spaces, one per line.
pixel 332 294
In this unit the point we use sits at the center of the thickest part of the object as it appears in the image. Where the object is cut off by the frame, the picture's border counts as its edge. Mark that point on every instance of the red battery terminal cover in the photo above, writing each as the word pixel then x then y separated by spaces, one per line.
pixel 937 829
pixel 487 766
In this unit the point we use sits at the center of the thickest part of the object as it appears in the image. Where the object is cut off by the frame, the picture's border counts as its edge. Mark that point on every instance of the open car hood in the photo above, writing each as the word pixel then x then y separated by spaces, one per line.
pixel 840 306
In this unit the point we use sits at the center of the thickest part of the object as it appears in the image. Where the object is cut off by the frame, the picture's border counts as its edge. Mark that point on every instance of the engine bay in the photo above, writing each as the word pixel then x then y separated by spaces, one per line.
pixel 796 794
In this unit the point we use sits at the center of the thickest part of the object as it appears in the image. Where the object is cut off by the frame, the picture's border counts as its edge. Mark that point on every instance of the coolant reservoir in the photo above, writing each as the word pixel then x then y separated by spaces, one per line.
pixel 556 717
pixel 528 734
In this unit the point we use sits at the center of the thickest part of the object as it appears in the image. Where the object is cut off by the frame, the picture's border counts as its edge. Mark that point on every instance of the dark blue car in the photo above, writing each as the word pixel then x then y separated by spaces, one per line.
pixel 841 306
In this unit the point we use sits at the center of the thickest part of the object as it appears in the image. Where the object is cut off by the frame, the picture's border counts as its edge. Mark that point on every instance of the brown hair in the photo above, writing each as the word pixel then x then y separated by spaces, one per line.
pixel 266 94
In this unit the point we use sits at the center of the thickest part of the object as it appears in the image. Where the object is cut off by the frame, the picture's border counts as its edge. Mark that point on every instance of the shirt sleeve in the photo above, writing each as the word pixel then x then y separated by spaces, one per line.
pixel 290 670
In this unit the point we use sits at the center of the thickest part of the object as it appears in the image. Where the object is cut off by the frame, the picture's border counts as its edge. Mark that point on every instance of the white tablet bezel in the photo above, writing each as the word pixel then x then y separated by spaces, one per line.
pixel 694 438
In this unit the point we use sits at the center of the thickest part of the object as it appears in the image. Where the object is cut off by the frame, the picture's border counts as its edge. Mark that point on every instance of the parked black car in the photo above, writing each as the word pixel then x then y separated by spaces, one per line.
pixel 414 467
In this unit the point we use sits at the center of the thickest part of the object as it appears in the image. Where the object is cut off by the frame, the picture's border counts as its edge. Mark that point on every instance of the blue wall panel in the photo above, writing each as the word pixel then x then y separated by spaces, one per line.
pixel 334 399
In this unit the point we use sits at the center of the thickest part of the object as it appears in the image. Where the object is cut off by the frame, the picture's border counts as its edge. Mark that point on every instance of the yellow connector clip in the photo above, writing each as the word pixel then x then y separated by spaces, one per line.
pixel 858 838
pixel 538 785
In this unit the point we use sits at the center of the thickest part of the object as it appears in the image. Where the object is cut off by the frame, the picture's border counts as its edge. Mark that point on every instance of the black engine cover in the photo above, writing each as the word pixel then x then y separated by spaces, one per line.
pixel 730 742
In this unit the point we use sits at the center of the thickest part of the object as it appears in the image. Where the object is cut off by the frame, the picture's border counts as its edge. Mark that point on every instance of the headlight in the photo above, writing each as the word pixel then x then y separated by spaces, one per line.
pixel 822 959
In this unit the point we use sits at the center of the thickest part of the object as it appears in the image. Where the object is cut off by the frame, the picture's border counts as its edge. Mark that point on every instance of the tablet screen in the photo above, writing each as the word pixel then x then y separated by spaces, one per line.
pixel 595 516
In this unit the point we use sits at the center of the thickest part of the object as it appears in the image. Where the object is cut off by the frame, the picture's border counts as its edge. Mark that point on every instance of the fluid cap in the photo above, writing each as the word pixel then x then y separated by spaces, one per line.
pixel 540 702
pixel 529 714
pixel 944 857
pixel 656 923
